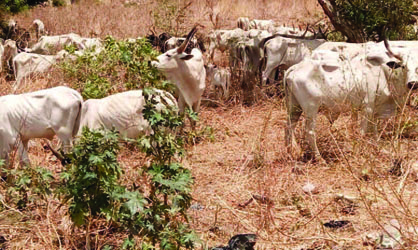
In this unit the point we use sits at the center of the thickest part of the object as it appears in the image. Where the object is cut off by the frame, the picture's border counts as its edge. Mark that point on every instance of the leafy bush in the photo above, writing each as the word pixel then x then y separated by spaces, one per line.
pixel 90 181
pixel 24 185
pixel 15 6
pixel 163 222
pixel 374 18
pixel 120 66
pixel 91 184
pixel 58 3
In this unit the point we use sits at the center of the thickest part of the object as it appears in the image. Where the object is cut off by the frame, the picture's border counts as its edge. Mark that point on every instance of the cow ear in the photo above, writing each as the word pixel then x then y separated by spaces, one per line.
pixel 186 57
pixel 393 65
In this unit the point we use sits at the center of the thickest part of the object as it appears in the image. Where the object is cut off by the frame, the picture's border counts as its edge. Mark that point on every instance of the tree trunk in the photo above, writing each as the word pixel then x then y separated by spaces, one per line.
pixel 340 24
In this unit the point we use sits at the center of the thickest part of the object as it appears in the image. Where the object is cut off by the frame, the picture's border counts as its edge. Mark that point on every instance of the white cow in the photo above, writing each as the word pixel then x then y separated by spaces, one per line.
pixel 10 51
pixel 12 28
pixel 94 44
pixel 39 114
pixel 123 111
pixel 247 50
pixel 243 23
pixel 186 71
pixel 292 31
pixel 268 25
pixel 174 42
pixel 282 51
pixel 27 64
pixel 219 77
pixel 220 39
pixel 375 82
pixel 39 28
pixel 50 45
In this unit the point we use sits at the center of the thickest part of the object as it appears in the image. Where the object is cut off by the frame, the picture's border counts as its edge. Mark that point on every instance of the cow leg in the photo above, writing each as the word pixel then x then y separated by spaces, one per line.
pixel 365 123
pixel 225 91
pixel 181 103
pixel 310 134
pixel 196 109
pixel 270 66
pixel 294 111
pixel 22 151
pixel 65 136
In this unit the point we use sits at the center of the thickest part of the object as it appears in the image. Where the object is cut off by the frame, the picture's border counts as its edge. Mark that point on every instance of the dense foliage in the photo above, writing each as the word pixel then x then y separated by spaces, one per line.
pixel 120 66
pixel 26 185
pixel 90 181
pixel 373 19
pixel 164 220
pixel 15 6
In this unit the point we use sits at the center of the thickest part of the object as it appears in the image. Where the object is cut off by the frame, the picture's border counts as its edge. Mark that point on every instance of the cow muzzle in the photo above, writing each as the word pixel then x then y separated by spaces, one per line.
pixel 413 85
pixel 154 64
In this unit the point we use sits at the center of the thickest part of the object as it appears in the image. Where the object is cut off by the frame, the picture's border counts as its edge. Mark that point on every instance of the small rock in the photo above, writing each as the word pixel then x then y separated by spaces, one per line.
pixel 346 198
pixel 197 206
pixel 390 240
pixel 335 224
pixel 348 203
pixel 310 188
pixel 239 242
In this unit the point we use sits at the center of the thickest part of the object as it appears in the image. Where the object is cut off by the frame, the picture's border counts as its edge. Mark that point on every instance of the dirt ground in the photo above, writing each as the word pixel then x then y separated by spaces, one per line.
pixel 244 179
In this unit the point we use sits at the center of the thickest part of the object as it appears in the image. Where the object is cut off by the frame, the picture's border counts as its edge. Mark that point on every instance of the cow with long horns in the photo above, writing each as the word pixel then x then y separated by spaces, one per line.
pixel 186 71
pixel 376 82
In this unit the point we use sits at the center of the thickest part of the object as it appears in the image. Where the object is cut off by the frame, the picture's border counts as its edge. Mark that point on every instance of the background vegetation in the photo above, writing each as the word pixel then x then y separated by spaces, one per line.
pixel 243 179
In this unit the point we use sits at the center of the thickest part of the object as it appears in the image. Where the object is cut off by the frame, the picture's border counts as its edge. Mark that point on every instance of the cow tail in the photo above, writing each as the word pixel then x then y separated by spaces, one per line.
pixel 78 119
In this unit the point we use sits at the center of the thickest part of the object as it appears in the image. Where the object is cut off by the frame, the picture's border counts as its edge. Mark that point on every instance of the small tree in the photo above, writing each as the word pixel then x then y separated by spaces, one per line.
pixel 163 222
pixel 121 65
pixel 365 20
pixel 91 182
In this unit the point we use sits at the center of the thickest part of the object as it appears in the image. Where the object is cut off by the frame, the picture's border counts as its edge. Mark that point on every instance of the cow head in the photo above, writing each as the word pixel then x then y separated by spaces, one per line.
pixel 401 68
pixel 170 60
pixel 406 60
pixel 10 49
pixel 210 69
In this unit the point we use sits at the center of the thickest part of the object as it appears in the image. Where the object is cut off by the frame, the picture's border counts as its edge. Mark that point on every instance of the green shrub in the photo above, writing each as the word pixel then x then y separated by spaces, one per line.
pixel 163 222
pixel 15 6
pixel 91 180
pixel 120 66
pixel 336 36
pixel 58 3
pixel 26 184
pixel 375 18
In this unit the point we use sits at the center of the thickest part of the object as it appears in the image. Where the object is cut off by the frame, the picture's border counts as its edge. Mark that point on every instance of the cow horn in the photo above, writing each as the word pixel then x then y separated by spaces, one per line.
pixel 397 56
pixel 183 46
pixel 152 31
pixel 304 33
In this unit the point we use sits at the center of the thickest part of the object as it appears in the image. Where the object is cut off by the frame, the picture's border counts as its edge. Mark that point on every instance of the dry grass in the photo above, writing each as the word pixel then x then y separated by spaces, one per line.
pixel 120 21
pixel 247 158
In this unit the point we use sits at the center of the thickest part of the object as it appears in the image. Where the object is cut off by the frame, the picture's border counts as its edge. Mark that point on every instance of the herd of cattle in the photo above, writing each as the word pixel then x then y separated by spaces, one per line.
pixel 373 77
